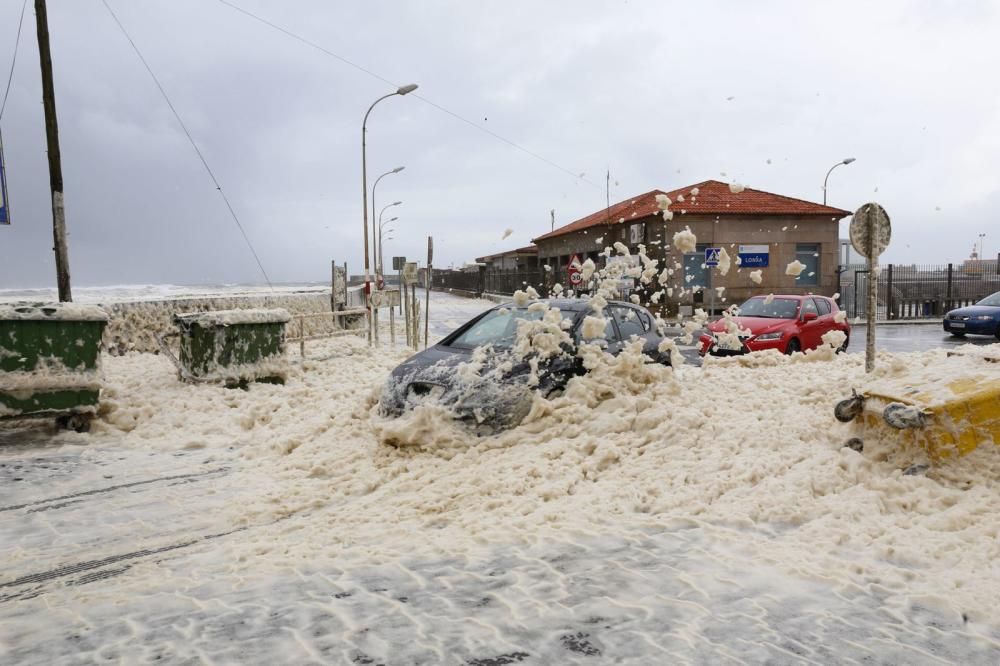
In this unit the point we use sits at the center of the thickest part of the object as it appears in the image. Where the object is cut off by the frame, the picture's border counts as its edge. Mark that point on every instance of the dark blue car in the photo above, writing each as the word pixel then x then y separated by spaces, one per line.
pixel 494 393
pixel 983 318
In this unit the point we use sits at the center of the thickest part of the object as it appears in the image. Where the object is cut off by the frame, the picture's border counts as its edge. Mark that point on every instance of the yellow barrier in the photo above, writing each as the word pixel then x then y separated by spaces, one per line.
pixel 947 415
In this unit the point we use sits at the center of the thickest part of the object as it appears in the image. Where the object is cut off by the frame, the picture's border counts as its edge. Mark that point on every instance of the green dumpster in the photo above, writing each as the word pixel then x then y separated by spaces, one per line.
pixel 50 361
pixel 233 347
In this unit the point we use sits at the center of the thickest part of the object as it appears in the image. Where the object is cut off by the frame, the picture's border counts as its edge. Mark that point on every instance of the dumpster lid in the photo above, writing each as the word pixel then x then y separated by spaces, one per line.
pixel 51 312
pixel 230 317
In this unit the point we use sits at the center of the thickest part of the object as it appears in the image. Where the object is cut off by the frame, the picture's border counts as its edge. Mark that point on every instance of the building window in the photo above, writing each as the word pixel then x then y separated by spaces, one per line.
pixel 637 234
pixel 808 254
pixel 694 267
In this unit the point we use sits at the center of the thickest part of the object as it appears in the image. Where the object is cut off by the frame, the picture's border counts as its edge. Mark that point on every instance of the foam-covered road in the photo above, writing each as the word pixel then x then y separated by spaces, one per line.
pixel 654 524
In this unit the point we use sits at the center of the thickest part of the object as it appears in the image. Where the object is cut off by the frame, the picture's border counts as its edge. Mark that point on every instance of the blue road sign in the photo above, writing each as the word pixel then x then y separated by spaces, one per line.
pixel 754 256
pixel 712 256
pixel 4 208
pixel 754 260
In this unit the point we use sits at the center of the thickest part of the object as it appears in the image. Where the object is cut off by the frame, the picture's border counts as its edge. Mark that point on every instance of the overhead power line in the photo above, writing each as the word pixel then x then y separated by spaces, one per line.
pixel 194 145
pixel 13 59
pixel 423 99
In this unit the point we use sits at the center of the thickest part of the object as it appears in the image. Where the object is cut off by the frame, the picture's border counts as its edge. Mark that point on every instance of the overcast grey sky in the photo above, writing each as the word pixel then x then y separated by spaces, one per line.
pixel 663 94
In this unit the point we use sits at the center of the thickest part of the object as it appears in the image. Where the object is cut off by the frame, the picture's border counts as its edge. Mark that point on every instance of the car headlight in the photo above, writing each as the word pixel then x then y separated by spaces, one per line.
pixel 770 336
pixel 983 317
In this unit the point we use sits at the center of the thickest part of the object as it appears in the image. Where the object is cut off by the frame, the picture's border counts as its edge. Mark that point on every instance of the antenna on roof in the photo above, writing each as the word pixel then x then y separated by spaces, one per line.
pixel 607 196
pixel 552 214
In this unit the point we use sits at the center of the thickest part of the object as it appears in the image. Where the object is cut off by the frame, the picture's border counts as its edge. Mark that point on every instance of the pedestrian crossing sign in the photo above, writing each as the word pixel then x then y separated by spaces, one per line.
pixel 712 256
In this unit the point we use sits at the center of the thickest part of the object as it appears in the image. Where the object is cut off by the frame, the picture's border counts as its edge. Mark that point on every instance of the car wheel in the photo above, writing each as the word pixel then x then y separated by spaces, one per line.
pixel 658 357
pixel 843 348
pixel 793 346
pixel 956 334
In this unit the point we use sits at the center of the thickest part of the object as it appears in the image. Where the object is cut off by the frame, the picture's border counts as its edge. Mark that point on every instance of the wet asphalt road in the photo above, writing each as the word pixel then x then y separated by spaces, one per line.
pixel 913 337
pixel 892 338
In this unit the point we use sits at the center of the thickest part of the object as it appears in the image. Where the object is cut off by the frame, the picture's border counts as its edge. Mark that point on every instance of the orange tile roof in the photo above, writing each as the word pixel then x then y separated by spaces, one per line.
pixel 713 198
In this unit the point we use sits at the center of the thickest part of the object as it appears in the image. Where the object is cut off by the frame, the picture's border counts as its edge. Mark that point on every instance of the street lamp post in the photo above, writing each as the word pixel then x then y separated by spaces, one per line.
pixel 847 160
pixel 379 240
pixel 402 90
pixel 378 261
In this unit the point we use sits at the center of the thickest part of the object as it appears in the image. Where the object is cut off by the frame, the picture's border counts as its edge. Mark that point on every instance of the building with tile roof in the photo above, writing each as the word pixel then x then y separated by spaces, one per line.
pixel 768 230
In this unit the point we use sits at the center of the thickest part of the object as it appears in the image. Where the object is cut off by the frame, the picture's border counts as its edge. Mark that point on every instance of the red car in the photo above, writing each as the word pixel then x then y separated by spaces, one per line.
pixel 786 323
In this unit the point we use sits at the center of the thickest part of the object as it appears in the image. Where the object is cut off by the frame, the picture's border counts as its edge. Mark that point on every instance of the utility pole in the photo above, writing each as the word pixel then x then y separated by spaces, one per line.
pixel 55 164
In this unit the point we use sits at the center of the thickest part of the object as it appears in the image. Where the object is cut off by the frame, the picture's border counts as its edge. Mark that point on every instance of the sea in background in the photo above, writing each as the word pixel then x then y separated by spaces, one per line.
pixel 125 293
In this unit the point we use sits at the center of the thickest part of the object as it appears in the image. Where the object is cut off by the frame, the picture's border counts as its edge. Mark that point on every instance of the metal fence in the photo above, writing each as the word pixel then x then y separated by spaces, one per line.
pixel 915 292
pixel 507 282
pixel 491 282
pixel 461 280
pixel 904 291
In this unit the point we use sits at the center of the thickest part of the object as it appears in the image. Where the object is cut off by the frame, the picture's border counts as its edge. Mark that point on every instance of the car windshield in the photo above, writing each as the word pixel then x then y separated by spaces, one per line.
pixel 778 308
pixel 993 300
pixel 499 327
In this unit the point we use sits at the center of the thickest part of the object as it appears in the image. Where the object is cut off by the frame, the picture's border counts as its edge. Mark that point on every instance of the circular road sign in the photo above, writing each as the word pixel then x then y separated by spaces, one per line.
pixel 575 278
pixel 869 217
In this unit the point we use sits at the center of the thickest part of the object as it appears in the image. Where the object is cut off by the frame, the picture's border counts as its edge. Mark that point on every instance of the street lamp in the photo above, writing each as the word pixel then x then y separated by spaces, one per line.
pixel 402 90
pixel 386 226
pixel 382 231
pixel 846 160
pixel 375 249
pixel 378 266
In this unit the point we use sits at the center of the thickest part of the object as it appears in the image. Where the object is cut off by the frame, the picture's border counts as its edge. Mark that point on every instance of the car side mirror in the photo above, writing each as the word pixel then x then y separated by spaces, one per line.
pixel 810 316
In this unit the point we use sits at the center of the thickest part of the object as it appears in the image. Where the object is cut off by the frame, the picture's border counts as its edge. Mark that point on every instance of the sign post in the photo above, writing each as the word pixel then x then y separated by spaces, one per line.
pixel 870 235
pixel 338 289
pixel 574 269
pixel 430 276
pixel 409 278
pixel 711 261
pixel 397 265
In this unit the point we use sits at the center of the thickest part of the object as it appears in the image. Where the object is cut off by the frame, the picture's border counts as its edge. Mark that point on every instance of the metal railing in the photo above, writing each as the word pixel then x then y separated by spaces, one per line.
pixel 507 282
pixel 460 280
pixel 917 291
pixel 299 325
pixel 492 282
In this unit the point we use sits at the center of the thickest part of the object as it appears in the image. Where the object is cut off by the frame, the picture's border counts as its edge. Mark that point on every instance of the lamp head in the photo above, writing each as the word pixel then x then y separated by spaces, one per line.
pixel 408 88
pixel 848 160
pixel 398 169
pixel 395 203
